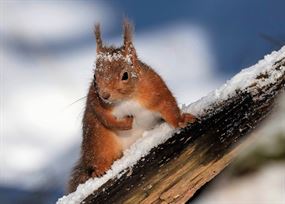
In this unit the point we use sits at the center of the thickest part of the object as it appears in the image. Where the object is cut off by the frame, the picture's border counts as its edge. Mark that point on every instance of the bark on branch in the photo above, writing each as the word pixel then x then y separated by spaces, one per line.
pixel 173 171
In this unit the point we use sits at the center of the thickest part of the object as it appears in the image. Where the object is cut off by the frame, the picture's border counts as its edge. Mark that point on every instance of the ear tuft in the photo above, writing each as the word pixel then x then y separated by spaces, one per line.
pixel 128 44
pixel 97 33
pixel 128 29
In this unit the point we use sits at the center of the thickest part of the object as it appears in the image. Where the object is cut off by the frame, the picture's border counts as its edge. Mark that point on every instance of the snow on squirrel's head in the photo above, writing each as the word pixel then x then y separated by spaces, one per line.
pixel 116 72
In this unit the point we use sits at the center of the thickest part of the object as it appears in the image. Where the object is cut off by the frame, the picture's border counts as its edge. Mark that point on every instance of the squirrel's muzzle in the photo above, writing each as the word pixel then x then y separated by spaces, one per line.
pixel 105 95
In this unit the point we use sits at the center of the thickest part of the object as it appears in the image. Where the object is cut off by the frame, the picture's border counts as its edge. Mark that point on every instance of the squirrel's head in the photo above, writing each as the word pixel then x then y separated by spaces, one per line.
pixel 116 74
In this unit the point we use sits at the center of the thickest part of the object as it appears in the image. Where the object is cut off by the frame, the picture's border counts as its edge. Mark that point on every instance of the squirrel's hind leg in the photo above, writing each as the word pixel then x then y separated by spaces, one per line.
pixel 110 150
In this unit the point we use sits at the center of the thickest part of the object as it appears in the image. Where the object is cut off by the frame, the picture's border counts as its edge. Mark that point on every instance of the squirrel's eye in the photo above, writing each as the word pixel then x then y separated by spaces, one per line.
pixel 125 76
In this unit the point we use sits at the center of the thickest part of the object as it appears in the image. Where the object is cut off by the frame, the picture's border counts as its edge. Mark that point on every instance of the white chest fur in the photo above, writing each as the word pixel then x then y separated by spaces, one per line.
pixel 144 119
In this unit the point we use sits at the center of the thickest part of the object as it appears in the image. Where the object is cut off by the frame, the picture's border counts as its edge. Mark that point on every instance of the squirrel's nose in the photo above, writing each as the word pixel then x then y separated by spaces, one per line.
pixel 105 95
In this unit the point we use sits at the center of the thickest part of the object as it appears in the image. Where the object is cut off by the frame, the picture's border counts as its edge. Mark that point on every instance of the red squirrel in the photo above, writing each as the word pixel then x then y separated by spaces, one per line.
pixel 125 98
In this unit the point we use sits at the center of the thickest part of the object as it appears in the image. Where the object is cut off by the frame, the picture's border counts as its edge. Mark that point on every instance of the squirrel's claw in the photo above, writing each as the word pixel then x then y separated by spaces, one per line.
pixel 186 118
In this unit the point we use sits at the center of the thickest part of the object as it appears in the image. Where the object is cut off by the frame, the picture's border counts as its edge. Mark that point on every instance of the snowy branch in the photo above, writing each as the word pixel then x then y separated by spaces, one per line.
pixel 171 165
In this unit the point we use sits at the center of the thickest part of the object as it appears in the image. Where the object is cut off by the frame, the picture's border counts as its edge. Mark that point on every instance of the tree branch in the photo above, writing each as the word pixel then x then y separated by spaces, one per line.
pixel 173 171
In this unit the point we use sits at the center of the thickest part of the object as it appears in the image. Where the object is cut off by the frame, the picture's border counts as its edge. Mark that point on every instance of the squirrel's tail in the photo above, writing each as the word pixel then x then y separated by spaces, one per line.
pixel 79 175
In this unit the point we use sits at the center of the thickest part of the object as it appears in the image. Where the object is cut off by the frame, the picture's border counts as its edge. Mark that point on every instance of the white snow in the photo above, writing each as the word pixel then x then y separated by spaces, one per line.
pixel 140 148
pixel 113 57
pixel 160 134
pixel 241 81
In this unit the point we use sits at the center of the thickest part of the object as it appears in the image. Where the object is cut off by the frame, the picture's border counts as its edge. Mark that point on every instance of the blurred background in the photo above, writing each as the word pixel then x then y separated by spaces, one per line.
pixel 47 55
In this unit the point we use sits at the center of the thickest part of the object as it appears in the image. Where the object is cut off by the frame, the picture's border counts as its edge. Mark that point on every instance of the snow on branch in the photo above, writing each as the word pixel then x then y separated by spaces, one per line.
pixel 171 165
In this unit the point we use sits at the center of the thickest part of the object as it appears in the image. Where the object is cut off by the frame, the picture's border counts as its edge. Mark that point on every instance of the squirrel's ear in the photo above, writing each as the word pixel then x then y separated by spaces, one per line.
pixel 128 44
pixel 97 33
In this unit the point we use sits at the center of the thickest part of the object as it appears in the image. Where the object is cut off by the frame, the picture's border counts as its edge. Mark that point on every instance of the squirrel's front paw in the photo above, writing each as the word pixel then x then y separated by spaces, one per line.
pixel 98 173
pixel 127 122
pixel 186 118
pixel 99 170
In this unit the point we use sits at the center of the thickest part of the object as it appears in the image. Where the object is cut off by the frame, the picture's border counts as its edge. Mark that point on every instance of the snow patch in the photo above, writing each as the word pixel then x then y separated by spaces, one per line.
pixel 139 149
pixel 102 56
pixel 242 81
